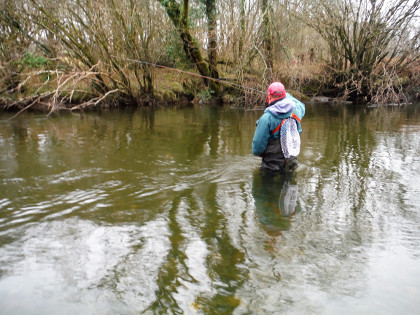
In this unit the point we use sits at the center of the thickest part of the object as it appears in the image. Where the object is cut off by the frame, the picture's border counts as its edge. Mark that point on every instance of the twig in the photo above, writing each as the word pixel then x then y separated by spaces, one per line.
pixel 94 101
pixel 30 105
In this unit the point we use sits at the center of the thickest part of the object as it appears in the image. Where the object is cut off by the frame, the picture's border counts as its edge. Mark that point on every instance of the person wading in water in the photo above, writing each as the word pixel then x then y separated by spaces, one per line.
pixel 276 138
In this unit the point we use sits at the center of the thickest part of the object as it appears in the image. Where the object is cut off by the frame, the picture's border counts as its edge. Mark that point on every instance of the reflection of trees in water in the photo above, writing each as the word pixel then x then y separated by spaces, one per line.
pixel 202 260
pixel 352 192
pixel 212 207
pixel 174 266
pixel 345 141
pixel 224 257
pixel 200 239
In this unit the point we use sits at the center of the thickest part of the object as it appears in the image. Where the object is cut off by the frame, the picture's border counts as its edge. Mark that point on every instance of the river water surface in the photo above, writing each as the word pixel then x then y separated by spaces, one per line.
pixel 165 211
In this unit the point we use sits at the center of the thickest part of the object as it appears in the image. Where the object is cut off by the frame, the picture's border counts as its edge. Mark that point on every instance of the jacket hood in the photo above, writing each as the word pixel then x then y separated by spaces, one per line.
pixel 281 107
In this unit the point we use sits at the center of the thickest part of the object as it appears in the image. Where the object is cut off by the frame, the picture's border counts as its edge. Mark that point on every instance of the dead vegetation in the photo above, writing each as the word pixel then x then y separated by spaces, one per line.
pixel 83 54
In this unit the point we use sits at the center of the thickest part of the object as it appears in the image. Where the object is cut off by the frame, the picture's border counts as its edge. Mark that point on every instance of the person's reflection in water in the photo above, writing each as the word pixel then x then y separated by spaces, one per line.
pixel 276 200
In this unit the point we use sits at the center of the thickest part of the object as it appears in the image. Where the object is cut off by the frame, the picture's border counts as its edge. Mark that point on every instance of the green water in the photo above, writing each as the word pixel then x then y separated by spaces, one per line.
pixel 165 211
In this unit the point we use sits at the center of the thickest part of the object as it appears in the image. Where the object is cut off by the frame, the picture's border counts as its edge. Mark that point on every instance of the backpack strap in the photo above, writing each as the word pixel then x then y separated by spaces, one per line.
pixel 293 115
pixel 278 127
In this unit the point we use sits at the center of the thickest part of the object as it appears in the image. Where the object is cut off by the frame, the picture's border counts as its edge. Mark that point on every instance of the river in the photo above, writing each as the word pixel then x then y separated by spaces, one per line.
pixel 165 211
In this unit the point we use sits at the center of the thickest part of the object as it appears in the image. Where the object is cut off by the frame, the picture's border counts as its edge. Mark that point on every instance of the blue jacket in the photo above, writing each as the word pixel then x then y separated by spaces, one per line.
pixel 271 119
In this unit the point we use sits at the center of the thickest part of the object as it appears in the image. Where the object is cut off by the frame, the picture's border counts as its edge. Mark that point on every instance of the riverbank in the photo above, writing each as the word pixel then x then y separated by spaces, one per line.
pixel 50 91
pixel 35 93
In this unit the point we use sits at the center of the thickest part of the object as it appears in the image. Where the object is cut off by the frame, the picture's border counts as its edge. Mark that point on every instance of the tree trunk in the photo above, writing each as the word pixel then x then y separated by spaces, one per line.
pixel 212 37
pixel 267 41
pixel 242 21
pixel 191 49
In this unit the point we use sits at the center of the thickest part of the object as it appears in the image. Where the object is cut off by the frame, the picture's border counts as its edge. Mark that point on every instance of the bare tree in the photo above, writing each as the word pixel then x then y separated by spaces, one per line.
pixel 111 40
pixel 363 35
pixel 108 51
